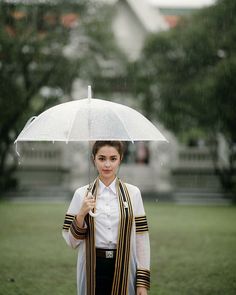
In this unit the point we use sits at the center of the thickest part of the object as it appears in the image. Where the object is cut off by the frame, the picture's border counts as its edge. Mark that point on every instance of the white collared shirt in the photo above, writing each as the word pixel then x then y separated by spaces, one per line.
pixel 106 237
pixel 106 223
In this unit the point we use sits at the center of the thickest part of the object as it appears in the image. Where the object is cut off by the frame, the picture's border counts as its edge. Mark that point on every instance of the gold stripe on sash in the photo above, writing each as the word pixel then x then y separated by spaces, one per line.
pixel 90 248
pixel 121 274
pixel 143 278
pixel 71 224
pixel 68 220
pixel 141 224
pixel 77 232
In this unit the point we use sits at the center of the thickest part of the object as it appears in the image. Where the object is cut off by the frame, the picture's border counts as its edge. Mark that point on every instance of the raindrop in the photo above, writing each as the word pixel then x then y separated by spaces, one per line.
pixel 26 49
pixel 221 53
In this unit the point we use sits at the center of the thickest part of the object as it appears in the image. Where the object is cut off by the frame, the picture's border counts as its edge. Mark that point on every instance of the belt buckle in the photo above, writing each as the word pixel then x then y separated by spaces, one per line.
pixel 109 254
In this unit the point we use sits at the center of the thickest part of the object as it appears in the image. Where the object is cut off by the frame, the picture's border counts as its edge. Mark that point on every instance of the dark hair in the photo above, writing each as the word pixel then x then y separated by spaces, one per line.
pixel 118 145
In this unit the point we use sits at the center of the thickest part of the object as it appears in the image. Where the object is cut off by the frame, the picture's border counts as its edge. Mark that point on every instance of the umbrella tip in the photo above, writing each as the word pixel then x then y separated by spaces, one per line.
pixel 89 92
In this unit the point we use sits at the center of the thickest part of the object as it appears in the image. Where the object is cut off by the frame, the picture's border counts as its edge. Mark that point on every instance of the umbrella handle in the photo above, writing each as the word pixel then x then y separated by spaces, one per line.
pixel 90 212
pixel 94 214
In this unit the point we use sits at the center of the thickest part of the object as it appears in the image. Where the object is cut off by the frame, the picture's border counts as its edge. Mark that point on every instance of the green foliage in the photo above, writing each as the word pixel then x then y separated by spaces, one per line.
pixel 191 72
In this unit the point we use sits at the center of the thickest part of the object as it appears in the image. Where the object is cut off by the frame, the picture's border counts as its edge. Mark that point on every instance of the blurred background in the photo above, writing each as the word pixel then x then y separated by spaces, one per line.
pixel 172 60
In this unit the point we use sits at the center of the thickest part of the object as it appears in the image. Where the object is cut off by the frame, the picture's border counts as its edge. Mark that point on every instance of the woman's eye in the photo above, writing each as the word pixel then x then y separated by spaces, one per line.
pixel 114 159
pixel 101 159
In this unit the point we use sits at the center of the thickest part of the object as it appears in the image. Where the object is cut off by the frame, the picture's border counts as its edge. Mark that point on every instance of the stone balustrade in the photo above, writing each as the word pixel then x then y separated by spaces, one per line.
pixel 42 165
pixel 41 155
pixel 194 158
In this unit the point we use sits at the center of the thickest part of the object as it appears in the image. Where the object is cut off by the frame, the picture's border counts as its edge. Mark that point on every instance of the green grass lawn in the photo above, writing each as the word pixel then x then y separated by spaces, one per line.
pixel 193 250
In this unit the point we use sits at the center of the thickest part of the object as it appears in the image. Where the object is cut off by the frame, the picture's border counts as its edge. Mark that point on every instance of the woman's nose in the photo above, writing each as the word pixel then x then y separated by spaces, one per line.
pixel 107 163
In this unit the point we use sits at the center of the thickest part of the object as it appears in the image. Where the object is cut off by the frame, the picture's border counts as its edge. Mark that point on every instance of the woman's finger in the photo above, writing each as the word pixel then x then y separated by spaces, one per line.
pixel 90 196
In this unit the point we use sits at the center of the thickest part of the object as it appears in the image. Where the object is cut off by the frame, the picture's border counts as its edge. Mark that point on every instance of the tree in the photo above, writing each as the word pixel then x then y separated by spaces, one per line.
pixel 186 77
pixel 36 70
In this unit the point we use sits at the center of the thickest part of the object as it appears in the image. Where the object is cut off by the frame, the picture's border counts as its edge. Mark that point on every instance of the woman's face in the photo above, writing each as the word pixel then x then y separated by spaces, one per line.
pixel 107 161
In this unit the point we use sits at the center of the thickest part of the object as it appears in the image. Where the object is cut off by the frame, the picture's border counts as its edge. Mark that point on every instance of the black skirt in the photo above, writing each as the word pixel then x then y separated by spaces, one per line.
pixel 104 275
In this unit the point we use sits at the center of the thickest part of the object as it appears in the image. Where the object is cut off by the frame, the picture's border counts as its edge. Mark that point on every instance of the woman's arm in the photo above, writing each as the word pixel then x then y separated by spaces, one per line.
pixel 74 228
pixel 142 247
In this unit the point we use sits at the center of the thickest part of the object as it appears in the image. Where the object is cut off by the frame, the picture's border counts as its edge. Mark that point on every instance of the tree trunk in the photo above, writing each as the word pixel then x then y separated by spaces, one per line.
pixel 7 180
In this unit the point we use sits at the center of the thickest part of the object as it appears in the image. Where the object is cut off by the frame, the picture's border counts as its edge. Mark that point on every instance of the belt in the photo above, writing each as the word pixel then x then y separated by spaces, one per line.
pixel 106 253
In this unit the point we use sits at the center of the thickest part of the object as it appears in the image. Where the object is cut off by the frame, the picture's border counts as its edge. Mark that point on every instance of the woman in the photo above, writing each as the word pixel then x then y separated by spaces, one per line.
pixel 113 247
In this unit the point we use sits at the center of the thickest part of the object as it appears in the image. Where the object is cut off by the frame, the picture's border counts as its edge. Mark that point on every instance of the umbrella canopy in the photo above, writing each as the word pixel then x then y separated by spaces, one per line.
pixel 90 119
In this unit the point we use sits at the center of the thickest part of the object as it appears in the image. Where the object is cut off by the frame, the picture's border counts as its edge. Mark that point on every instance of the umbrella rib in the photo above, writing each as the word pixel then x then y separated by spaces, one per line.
pixel 117 114
pixel 71 125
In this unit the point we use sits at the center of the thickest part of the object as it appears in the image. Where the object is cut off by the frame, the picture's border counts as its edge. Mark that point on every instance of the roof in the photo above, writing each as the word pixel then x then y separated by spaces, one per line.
pixel 194 4
pixel 150 18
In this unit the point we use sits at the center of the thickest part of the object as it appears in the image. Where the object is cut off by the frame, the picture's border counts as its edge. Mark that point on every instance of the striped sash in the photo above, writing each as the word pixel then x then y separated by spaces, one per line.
pixel 90 248
pixel 121 274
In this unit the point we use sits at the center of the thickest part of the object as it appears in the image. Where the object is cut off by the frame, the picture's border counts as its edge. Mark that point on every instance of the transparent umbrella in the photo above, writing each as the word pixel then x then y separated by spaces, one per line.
pixel 90 119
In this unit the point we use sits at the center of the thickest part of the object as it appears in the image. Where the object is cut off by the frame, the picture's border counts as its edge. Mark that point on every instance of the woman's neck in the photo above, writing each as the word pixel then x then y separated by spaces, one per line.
pixel 108 181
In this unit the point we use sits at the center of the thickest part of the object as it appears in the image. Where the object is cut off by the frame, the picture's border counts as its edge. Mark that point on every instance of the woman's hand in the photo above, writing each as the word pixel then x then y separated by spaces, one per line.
pixel 87 205
pixel 141 291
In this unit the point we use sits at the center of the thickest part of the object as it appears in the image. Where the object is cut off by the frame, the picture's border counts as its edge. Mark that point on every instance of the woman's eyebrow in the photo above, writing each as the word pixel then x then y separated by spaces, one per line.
pixel 112 156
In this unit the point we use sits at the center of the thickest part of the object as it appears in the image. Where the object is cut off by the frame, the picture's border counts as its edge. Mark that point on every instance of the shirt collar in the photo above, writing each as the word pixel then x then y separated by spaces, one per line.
pixel 111 187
